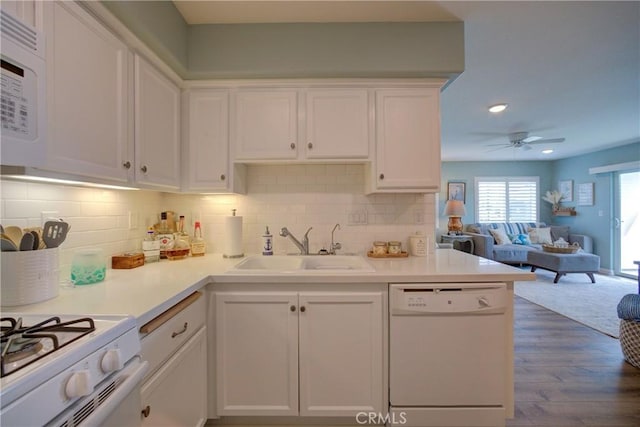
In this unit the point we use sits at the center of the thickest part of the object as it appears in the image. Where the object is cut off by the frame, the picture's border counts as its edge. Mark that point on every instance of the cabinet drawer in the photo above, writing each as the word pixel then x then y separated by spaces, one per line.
pixel 159 344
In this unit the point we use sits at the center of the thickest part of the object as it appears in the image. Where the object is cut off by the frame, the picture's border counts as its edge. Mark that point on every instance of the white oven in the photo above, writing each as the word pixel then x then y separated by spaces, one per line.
pixel 23 109
pixel 70 371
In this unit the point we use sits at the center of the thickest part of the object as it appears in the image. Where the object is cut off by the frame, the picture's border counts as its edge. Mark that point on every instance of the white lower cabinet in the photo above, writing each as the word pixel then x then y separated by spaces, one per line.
pixel 174 392
pixel 299 353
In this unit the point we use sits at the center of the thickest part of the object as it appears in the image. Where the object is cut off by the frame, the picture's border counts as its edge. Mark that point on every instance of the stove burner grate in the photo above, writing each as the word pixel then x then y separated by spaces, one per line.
pixel 19 342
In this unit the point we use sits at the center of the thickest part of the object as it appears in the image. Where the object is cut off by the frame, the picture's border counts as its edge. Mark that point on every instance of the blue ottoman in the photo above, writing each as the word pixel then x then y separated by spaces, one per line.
pixel 562 264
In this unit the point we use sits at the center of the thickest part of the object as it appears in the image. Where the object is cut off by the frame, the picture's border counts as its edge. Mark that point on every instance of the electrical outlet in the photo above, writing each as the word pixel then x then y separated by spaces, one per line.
pixel 49 216
pixel 357 218
pixel 418 217
pixel 133 220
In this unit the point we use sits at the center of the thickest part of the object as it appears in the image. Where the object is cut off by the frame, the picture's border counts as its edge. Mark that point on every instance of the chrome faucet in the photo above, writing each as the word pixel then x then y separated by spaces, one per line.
pixel 304 246
pixel 334 246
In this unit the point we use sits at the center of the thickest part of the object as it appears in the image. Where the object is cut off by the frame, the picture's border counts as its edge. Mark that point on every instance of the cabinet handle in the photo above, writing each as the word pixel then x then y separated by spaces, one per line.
pixel 143 169
pixel 292 308
pixel 381 176
pixel 310 145
pixel 293 146
pixel 146 411
pixel 303 309
pixel 184 329
pixel 222 177
pixel 127 165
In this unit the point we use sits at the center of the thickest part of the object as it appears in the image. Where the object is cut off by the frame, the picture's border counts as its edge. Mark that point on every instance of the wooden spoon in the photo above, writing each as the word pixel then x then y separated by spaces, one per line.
pixel 14 233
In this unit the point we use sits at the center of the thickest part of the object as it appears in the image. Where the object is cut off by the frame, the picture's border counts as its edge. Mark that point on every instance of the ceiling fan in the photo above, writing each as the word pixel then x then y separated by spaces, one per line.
pixel 523 141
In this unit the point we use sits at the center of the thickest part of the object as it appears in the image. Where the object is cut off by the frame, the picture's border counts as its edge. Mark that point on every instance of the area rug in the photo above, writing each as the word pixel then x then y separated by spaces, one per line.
pixel 575 297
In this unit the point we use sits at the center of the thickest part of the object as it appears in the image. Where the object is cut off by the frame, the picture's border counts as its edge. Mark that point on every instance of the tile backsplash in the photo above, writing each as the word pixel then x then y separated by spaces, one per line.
pixel 295 196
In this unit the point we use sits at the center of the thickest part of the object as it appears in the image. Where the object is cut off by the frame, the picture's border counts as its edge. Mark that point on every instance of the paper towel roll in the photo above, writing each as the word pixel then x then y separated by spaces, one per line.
pixel 233 237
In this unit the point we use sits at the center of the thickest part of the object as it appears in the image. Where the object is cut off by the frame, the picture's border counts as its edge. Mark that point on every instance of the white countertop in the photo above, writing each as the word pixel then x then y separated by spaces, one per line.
pixel 147 291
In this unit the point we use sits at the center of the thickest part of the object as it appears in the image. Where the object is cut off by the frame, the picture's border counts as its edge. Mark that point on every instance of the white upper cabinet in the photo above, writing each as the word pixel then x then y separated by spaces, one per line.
pixel 266 124
pixel 89 95
pixel 337 125
pixel 157 127
pixel 205 143
pixel 407 141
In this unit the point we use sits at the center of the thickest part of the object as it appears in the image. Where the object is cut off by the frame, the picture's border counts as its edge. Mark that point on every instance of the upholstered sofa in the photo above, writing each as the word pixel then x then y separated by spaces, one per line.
pixel 510 253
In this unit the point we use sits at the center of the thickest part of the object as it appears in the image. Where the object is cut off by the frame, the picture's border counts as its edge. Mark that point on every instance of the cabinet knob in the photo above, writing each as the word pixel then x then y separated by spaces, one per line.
pixel 292 308
pixel 381 176
pixel 293 146
pixel 303 309
pixel 143 169
pixel 146 411
pixel 127 165
pixel 310 145
pixel 222 177
pixel 182 331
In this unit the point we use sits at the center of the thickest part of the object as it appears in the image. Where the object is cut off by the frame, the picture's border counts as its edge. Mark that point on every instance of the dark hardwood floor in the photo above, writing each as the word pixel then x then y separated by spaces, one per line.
pixel 567 374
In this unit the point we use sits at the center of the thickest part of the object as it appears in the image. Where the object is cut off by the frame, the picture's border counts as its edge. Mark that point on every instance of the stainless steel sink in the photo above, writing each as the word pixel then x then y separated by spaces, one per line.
pixel 298 264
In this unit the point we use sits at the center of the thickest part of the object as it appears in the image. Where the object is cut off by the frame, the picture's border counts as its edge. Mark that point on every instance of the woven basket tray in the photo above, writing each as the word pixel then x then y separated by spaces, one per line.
pixel 630 341
pixel 572 249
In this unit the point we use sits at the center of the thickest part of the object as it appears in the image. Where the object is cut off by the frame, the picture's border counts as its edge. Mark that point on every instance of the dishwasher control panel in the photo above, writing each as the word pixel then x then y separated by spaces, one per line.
pixel 439 298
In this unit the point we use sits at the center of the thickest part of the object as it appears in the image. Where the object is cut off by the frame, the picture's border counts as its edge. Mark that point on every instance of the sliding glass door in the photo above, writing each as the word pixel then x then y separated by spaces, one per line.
pixel 627 223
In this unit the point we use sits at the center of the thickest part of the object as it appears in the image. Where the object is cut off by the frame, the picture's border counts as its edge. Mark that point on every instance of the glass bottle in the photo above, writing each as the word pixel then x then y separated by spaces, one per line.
pixel 164 235
pixel 198 245
pixel 151 247
pixel 181 234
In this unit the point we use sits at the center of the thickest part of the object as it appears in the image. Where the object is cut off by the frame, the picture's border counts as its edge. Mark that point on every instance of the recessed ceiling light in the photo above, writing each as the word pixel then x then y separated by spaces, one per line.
pixel 498 108
pixel 549 151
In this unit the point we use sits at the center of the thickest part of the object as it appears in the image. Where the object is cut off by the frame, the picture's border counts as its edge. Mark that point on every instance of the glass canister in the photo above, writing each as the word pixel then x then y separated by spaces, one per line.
pixel 379 248
pixel 88 266
pixel 395 247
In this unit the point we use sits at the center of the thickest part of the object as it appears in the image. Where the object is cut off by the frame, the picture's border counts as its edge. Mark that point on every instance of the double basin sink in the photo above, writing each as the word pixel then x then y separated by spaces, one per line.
pixel 302 264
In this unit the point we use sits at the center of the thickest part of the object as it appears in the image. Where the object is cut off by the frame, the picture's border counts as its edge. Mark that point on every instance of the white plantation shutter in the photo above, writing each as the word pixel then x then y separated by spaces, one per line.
pixel 507 199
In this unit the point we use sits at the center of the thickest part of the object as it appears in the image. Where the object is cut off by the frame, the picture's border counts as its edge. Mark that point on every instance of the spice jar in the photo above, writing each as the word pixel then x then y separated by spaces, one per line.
pixel 395 247
pixel 379 248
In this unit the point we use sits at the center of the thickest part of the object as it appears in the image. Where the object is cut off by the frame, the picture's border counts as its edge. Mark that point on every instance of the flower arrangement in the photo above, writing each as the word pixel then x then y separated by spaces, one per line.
pixel 554 197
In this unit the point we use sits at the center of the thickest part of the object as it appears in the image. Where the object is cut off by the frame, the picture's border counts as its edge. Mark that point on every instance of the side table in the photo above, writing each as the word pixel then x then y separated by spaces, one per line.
pixel 460 242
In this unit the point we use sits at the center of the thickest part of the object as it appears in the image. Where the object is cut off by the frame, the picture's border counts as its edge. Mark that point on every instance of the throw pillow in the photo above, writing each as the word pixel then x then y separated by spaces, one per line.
pixel 540 235
pixel 521 239
pixel 499 236
pixel 558 232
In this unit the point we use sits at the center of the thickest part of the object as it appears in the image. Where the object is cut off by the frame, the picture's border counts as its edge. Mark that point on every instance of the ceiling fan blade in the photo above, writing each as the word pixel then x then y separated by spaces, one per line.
pixel 499 148
pixel 496 145
pixel 548 141
pixel 531 138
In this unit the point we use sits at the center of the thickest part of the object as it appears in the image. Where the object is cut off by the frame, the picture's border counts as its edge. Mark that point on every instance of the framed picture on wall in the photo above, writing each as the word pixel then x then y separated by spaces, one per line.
pixel 456 191
pixel 585 194
pixel 566 189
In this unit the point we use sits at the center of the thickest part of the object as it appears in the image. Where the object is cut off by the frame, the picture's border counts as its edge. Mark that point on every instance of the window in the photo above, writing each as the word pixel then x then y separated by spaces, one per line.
pixel 507 199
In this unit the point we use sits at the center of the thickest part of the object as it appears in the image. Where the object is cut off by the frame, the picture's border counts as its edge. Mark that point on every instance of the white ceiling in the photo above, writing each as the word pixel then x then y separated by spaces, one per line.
pixel 566 69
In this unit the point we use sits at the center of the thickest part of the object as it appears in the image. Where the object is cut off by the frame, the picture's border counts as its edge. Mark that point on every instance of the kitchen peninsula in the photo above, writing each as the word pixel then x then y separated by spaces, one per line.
pixel 149 291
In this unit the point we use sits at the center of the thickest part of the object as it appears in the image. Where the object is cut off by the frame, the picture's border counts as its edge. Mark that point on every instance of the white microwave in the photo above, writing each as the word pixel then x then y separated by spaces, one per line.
pixel 23 102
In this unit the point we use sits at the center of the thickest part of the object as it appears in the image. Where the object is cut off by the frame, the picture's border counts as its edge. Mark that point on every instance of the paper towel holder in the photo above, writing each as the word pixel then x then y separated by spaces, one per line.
pixel 234 252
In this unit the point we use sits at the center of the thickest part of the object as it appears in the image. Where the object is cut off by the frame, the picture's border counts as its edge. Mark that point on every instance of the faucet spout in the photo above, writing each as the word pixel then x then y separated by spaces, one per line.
pixel 304 246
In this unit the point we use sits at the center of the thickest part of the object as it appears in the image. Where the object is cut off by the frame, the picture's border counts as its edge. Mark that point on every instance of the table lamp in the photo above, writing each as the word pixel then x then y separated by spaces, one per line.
pixel 454 209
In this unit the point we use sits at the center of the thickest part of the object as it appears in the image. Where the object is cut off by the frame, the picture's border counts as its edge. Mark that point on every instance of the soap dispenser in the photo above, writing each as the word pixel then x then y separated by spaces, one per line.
pixel 267 242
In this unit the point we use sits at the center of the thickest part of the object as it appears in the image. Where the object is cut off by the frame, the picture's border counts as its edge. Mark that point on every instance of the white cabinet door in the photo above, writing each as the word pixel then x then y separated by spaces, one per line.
pixel 407 140
pixel 157 127
pixel 88 78
pixel 341 353
pixel 337 124
pixel 266 124
pixel 176 395
pixel 206 142
pixel 256 353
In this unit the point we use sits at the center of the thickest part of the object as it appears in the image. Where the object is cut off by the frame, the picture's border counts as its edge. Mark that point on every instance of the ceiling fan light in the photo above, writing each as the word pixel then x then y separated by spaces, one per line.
pixel 547 151
pixel 497 108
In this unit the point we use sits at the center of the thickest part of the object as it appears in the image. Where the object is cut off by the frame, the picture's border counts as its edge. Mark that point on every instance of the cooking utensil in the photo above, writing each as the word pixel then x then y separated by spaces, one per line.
pixel 26 243
pixel 54 233
pixel 36 240
pixel 6 244
pixel 38 231
pixel 14 233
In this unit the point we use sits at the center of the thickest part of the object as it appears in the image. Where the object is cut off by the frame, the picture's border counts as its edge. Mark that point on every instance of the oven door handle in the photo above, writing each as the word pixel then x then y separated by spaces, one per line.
pixel 135 372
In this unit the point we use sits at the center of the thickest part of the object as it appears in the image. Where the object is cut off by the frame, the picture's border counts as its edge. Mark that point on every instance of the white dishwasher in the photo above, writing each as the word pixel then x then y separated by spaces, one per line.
pixel 447 355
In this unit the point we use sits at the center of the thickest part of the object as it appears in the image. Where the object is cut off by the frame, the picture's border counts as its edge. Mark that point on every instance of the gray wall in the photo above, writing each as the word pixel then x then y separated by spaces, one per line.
pixel 326 50
pixel 413 49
